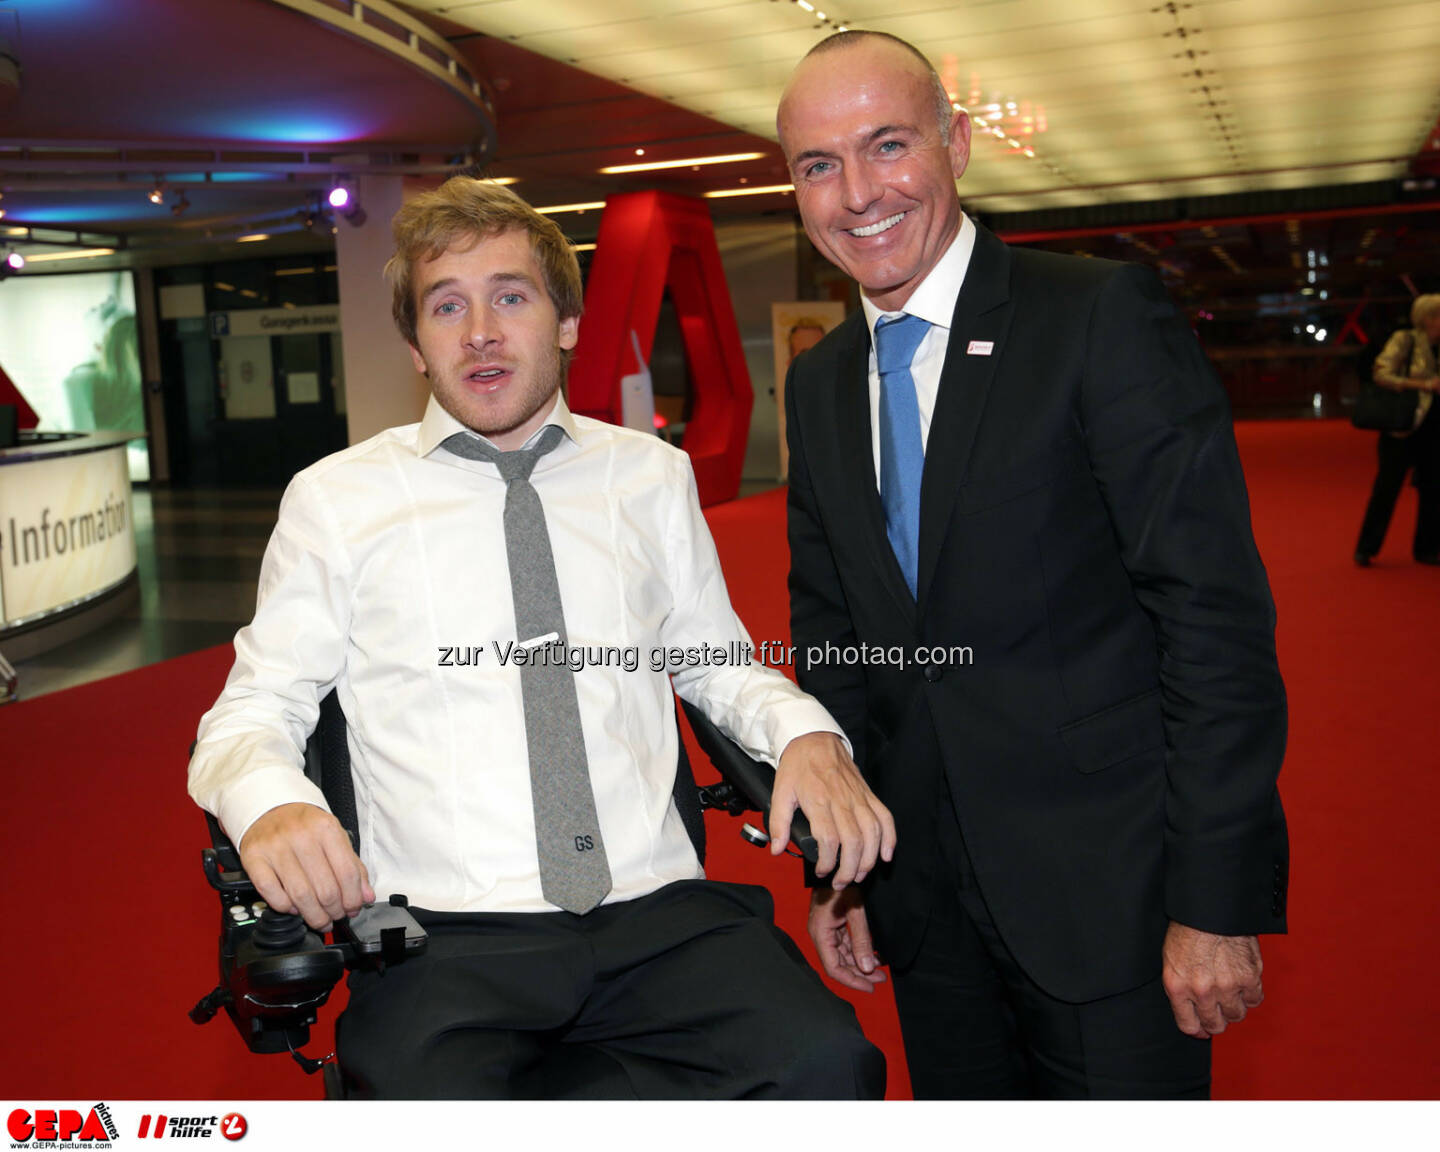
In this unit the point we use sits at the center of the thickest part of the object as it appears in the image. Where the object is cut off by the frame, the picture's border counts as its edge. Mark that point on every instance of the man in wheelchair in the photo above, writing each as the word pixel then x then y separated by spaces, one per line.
pixel 521 797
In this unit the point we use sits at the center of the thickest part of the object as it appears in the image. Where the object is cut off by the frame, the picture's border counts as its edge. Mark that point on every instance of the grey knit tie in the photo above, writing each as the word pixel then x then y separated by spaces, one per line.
pixel 574 870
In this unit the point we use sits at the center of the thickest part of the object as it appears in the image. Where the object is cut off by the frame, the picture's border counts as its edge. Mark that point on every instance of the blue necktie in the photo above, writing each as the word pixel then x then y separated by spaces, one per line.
pixel 902 454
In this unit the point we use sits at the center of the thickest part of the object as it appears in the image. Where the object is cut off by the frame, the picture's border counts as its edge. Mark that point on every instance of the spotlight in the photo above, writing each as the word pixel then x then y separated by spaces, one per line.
pixel 14 261
pixel 312 211
pixel 157 194
pixel 344 200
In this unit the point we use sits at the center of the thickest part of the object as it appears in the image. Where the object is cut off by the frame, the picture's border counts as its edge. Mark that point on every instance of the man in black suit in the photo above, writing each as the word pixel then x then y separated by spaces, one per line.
pixel 1044 627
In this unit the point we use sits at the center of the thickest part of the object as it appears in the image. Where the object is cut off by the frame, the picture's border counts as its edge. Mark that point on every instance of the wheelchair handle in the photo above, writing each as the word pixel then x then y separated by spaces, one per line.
pixel 754 779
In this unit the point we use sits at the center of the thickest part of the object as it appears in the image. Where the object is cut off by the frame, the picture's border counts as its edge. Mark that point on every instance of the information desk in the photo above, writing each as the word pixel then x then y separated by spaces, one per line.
pixel 67 540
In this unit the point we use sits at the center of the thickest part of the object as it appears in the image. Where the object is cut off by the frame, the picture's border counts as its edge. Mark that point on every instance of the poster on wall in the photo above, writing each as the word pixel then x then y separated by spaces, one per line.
pixel 795 326
pixel 69 342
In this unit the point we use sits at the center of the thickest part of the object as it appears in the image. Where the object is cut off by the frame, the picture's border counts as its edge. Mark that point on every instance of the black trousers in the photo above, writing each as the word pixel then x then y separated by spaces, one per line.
pixel 977 1027
pixel 688 993
pixel 1398 455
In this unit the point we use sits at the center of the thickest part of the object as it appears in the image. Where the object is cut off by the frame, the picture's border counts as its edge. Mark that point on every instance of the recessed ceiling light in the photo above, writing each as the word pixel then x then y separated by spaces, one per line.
pixel 692 162
pixel 721 193
pixel 77 254
pixel 554 209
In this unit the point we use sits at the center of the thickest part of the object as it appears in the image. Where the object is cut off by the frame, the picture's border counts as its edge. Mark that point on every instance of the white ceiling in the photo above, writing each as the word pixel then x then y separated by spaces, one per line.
pixel 1141 100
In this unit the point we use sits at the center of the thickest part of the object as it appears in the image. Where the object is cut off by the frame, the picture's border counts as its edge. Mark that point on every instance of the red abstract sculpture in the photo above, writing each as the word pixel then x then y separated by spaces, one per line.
pixel 648 241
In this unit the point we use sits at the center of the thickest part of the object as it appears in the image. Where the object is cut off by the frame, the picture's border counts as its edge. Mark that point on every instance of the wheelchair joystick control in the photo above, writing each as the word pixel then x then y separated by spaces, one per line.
pixel 279 932
pixel 275 972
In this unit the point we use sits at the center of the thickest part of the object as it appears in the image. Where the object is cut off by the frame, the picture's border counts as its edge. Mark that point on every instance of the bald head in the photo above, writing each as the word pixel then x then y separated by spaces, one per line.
pixel 881 41
pixel 874 151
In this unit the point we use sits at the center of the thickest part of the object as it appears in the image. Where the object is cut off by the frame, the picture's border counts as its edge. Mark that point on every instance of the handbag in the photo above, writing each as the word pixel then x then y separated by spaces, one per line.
pixel 1380 409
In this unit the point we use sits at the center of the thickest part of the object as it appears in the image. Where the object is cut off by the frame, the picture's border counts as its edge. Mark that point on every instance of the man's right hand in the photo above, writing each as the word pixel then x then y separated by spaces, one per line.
pixel 300 860
pixel 842 937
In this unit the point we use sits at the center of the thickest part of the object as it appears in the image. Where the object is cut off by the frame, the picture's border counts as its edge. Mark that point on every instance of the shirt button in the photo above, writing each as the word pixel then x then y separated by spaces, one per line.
pixel 933 672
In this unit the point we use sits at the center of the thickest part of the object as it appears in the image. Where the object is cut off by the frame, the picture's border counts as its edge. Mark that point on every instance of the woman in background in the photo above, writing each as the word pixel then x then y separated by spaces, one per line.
pixel 1409 361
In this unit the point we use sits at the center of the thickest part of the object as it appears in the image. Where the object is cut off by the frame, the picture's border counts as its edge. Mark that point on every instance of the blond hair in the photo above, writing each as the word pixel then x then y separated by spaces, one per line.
pixel 464 208
pixel 1422 308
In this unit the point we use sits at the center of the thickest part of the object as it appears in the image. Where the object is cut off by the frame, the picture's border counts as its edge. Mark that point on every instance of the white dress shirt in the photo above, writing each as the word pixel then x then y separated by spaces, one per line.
pixel 933 301
pixel 393 550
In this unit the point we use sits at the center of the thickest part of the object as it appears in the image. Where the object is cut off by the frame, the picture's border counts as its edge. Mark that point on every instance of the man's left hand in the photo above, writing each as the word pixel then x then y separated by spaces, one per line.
pixel 1212 981
pixel 851 826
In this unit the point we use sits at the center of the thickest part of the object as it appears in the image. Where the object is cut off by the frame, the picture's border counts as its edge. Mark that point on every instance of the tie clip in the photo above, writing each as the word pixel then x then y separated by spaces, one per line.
pixel 980 348
pixel 536 641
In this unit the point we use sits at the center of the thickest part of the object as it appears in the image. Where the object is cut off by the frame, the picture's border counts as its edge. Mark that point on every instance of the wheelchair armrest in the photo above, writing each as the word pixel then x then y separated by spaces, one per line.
pixel 221 861
pixel 754 779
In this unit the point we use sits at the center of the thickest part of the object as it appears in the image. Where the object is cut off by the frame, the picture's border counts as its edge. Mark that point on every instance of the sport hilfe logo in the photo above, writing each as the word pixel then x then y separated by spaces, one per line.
pixel 232 1126
pixel 48 1125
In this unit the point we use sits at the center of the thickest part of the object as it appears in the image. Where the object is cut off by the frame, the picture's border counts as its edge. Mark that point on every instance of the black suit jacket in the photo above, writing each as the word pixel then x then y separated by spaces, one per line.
pixel 1112 742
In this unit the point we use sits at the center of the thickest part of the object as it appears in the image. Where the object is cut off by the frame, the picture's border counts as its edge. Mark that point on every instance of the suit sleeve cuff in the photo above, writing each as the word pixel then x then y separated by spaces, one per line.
pixel 1236 888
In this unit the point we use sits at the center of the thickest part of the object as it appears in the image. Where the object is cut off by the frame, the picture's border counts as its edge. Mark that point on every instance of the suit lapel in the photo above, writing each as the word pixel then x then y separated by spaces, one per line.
pixel 857 459
pixel 982 315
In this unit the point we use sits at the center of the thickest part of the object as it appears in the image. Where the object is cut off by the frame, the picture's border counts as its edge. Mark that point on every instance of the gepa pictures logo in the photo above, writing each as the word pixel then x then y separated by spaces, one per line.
pixel 62 1125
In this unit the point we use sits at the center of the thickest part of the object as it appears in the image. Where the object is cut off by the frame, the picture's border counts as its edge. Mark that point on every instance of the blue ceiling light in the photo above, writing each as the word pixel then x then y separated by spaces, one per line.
pixel 247 178
pixel 34 211
pixel 290 127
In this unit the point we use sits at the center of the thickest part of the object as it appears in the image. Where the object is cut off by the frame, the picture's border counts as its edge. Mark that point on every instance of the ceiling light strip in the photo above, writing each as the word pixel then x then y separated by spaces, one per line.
pixel 722 193
pixel 693 162
pixel 556 209
pixel 825 20
pixel 80 254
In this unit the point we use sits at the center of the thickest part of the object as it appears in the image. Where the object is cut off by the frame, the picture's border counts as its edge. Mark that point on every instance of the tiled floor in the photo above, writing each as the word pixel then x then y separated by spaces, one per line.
pixel 199 556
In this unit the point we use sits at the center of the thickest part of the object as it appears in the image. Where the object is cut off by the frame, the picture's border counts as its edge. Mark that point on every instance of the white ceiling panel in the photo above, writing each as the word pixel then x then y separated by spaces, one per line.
pixel 1133 92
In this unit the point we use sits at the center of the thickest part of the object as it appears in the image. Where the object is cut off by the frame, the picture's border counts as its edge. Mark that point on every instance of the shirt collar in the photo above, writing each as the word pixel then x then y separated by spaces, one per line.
pixel 934 299
pixel 437 425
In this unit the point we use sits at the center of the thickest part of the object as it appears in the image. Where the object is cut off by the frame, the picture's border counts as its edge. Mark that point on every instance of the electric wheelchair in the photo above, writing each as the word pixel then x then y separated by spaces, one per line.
pixel 276 972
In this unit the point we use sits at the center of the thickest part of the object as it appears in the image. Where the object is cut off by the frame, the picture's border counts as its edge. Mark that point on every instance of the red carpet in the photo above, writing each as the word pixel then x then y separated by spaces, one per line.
pixel 109 923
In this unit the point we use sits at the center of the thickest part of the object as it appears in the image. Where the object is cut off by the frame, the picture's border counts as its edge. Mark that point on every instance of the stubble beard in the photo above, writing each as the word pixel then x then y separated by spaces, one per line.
pixel 473 413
